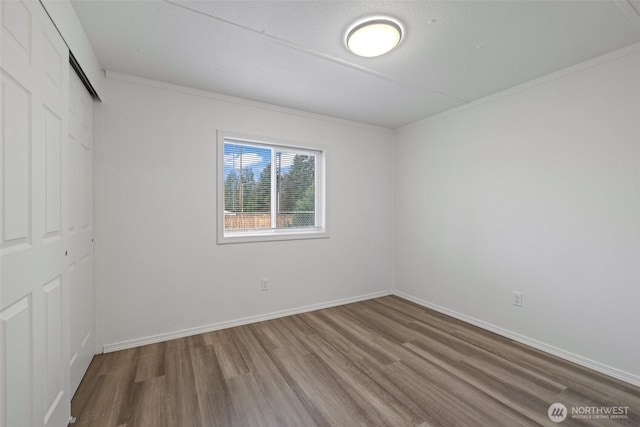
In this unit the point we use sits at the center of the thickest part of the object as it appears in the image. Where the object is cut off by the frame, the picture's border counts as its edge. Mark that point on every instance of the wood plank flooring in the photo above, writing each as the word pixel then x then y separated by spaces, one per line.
pixel 382 362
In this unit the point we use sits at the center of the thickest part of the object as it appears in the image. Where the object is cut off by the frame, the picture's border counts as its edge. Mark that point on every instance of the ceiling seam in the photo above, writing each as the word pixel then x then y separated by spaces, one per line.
pixel 308 51
pixel 630 11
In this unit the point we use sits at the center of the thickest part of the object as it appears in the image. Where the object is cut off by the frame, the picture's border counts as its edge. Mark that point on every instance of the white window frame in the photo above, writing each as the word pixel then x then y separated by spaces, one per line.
pixel 320 231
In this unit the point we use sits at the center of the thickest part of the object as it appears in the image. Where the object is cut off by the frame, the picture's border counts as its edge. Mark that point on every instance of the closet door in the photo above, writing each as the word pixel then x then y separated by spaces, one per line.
pixel 34 343
pixel 79 173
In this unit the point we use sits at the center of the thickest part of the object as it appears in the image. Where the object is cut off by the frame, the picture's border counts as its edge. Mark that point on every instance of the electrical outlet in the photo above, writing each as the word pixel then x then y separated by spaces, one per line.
pixel 264 285
pixel 517 299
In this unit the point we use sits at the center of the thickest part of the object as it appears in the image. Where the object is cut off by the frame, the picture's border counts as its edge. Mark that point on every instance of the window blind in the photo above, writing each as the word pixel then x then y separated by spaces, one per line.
pixel 269 187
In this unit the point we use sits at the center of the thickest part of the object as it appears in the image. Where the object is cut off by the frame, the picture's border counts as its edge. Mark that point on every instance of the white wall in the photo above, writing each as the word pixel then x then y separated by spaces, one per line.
pixel 159 268
pixel 535 190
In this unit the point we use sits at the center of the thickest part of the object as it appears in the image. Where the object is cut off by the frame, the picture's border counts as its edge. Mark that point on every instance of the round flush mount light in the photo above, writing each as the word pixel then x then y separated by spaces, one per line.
pixel 374 36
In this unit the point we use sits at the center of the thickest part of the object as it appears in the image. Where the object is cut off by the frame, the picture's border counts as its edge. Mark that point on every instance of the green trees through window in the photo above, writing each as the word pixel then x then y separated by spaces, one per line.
pixel 250 187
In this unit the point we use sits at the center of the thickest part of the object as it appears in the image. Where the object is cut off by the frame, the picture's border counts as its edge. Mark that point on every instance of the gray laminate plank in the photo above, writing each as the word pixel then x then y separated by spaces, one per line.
pixel 385 362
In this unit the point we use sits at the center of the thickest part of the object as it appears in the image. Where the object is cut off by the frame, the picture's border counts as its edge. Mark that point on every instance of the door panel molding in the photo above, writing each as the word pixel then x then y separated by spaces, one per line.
pixel 34 242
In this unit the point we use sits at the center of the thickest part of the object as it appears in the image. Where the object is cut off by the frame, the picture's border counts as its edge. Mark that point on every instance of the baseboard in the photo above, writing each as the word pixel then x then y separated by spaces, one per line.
pixel 152 339
pixel 571 357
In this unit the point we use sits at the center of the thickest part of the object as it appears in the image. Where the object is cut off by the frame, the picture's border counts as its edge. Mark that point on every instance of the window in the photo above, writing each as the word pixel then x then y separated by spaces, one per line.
pixel 269 190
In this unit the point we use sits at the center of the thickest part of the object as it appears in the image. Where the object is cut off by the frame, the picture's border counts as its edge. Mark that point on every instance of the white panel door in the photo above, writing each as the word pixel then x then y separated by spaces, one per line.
pixel 79 208
pixel 34 342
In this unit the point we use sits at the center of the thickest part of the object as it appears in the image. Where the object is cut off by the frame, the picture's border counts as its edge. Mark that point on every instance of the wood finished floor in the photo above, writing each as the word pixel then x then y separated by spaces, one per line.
pixel 383 362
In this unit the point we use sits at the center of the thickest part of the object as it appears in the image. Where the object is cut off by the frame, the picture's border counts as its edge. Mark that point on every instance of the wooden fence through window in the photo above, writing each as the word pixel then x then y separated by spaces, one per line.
pixel 255 221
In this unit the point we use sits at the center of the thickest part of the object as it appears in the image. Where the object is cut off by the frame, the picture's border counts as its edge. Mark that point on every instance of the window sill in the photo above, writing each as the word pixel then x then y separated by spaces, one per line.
pixel 272 236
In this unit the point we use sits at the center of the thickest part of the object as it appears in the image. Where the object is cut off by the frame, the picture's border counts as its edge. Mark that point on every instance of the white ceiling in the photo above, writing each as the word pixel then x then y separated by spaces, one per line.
pixel 291 53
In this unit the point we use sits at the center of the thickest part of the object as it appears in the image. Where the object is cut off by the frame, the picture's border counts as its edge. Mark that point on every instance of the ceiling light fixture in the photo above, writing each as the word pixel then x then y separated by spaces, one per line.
pixel 374 36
